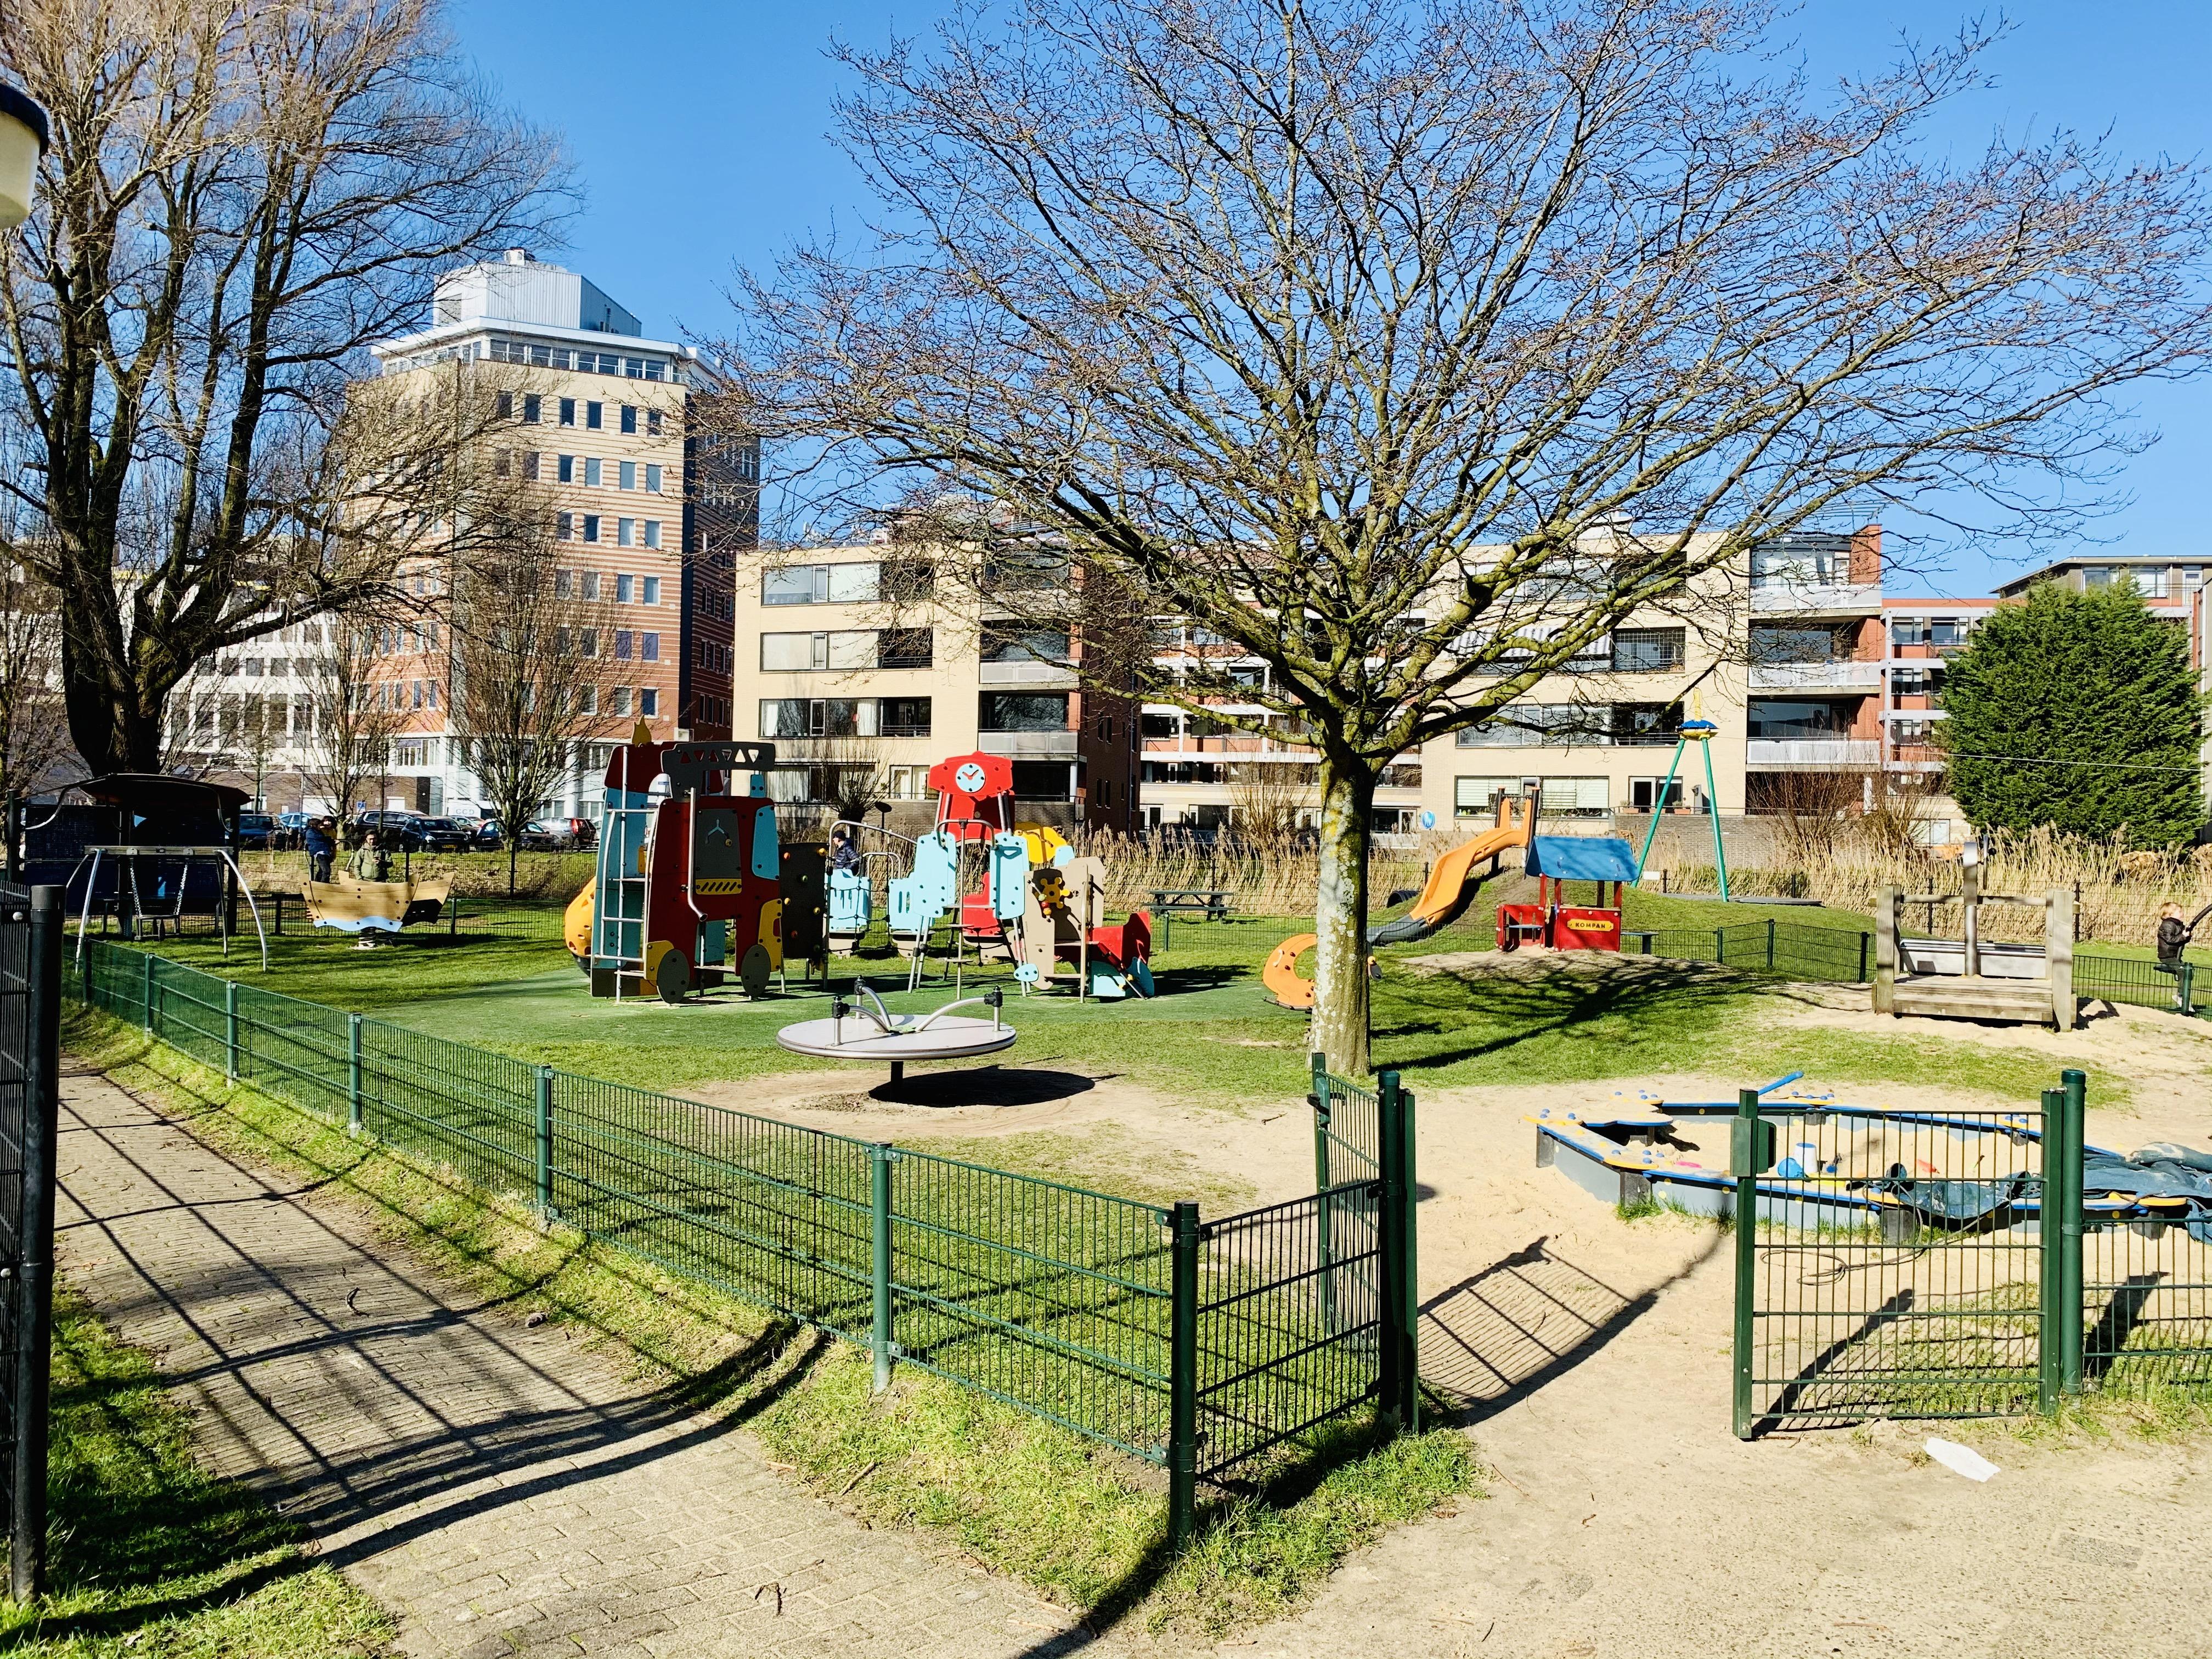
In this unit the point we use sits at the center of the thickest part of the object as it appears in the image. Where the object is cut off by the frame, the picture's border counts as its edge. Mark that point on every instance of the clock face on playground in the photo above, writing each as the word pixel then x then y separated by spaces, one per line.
pixel 968 778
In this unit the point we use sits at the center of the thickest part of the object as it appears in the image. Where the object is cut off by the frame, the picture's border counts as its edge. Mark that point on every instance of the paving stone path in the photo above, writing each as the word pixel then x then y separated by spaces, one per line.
pixel 502 1489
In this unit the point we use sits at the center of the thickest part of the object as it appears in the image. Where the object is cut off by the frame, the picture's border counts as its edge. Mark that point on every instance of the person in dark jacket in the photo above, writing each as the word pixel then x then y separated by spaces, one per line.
pixel 843 855
pixel 321 850
pixel 2172 935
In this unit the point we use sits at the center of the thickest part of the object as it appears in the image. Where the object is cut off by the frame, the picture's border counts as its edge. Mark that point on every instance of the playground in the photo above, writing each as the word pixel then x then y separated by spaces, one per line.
pixel 1524 982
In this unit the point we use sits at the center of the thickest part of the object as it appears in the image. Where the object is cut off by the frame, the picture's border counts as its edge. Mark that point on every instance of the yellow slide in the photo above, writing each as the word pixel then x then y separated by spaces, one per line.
pixel 1452 880
pixel 1451 884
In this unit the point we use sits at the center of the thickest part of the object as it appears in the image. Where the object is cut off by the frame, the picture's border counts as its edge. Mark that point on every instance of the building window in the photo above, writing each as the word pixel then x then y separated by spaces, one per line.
pixel 1775 645
pixel 1644 792
pixel 1647 650
pixel 618 700
pixel 903 717
pixel 587 641
pixel 592 465
pixel 649 700
pixel 1776 718
pixel 529 465
pixel 653 477
pixel 1577 798
pixel 1044 780
pixel 820 584
pixel 652 423
pixel 564 525
pixel 625 529
pixel 501 461
pixel 648 647
pixel 568 411
pixel 564 584
pixel 1024 711
pixel 652 583
pixel 591 415
pixel 502 405
pixel 590 526
pixel 630 417
pixel 564 469
pixel 626 475
pixel 818 717
pixel 652 539
pixel 590 584
pixel 905 648
pixel 622 587
pixel 621 645
pixel 1013 641
pixel 532 406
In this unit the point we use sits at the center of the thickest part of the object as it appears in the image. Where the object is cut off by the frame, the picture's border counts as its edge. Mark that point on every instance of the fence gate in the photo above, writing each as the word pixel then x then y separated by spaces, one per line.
pixel 1890 1265
pixel 30 1013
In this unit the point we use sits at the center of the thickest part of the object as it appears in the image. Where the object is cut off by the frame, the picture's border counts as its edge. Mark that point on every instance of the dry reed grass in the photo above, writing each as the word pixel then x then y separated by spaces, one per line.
pixel 2120 888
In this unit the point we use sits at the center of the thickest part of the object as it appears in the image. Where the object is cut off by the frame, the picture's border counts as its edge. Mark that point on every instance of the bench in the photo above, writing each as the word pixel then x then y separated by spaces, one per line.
pixel 1209 903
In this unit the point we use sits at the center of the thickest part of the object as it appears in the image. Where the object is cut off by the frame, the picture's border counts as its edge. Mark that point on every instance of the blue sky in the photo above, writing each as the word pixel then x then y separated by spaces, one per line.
pixel 698 127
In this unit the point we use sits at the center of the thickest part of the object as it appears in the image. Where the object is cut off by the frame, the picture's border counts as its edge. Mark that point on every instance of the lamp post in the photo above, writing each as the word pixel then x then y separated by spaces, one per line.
pixel 23 140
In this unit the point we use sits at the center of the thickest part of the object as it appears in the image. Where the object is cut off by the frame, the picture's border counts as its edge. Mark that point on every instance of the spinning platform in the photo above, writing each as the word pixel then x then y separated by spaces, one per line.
pixel 864 1029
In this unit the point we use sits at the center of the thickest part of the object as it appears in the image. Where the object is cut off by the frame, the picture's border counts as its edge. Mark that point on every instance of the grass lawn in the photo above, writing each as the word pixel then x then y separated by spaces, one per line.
pixel 150 1555
pixel 506 983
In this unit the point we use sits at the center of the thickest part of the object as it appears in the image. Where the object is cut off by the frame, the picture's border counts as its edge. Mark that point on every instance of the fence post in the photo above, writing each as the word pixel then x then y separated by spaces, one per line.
pixel 2047 1371
pixel 1720 946
pixel 1863 958
pixel 544 1159
pixel 230 1030
pixel 880 1259
pixel 26 1566
pixel 1770 945
pixel 1183 1377
pixel 2188 987
pixel 1322 1103
pixel 353 1074
pixel 147 995
pixel 1400 1369
pixel 2074 1086
pixel 1746 1259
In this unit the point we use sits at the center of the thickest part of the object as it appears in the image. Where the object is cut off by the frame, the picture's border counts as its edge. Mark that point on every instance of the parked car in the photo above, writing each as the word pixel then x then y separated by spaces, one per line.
pixel 395 831
pixel 576 834
pixel 539 836
pixel 291 832
pixel 256 831
pixel 445 835
pixel 489 837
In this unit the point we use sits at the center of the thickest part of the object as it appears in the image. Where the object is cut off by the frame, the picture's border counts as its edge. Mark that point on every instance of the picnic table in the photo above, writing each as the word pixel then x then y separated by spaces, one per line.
pixel 1210 902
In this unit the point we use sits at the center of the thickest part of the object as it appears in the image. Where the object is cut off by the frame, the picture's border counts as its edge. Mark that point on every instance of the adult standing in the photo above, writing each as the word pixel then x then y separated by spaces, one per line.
pixel 321 850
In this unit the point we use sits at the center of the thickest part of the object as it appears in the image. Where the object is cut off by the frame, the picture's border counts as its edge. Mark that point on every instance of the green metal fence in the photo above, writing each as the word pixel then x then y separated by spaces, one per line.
pixel 1194 1344
pixel 1990 1274
pixel 1802 951
pixel 1853 1302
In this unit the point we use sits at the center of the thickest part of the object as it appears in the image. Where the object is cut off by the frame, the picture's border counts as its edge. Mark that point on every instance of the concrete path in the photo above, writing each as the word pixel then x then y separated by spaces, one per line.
pixel 500 1489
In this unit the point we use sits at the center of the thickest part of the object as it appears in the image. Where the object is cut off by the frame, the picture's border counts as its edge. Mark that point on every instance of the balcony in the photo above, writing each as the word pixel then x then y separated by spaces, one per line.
pixel 1029 745
pixel 1808 753
pixel 1840 676
pixel 1043 676
pixel 1785 599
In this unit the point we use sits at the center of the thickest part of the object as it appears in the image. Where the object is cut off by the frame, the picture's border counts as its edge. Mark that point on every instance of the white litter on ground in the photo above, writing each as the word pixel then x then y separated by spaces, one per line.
pixel 1961 1460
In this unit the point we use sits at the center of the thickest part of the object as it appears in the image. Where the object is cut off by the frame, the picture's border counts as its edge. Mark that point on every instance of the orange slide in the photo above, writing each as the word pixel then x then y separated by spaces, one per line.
pixel 1452 886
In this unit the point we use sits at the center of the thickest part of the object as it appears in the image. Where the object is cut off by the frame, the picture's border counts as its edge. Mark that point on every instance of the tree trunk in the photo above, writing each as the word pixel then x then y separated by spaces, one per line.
pixel 1341 983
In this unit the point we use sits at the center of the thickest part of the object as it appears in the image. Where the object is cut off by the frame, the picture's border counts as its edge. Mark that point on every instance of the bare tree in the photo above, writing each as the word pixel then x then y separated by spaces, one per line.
pixel 257 726
pixel 532 672
pixel 34 745
pixel 355 715
pixel 237 198
pixel 1412 348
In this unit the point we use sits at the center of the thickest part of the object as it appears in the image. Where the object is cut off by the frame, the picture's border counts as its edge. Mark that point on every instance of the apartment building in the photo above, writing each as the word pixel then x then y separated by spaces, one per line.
pixel 1784 655
pixel 648 515
pixel 865 665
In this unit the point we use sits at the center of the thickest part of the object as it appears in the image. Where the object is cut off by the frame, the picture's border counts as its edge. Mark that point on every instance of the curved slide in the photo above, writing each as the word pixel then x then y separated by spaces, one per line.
pixel 1451 887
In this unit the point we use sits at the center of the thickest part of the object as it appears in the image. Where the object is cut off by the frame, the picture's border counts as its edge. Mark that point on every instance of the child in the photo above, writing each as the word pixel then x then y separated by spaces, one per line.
pixel 2172 934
